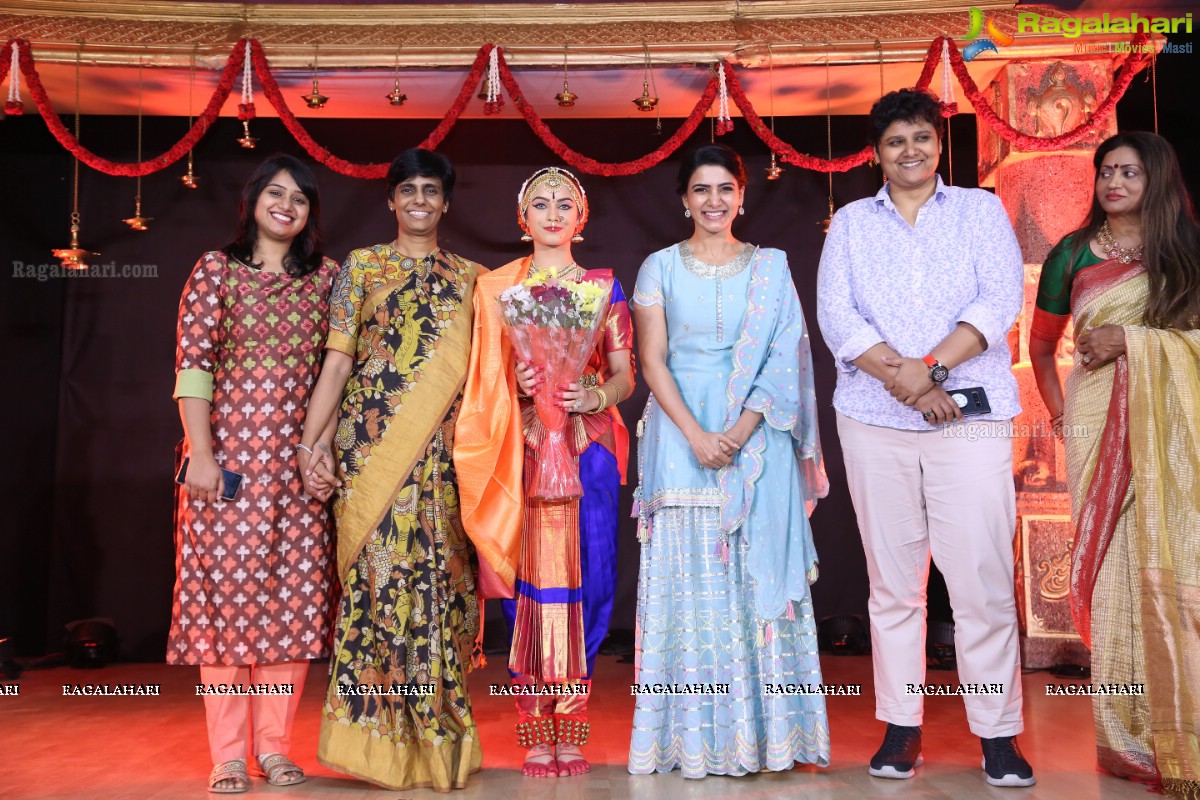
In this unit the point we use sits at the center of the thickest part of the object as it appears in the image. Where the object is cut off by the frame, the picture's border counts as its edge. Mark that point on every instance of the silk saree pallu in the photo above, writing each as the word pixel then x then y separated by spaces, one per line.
pixel 397 711
pixel 1136 565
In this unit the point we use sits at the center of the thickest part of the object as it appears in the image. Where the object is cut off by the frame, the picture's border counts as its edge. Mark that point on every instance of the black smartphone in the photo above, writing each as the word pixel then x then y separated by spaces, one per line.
pixel 233 480
pixel 971 401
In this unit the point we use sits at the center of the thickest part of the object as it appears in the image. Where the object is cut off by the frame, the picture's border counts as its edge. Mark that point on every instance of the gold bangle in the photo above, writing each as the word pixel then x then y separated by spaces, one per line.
pixel 615 389
pixel 601 400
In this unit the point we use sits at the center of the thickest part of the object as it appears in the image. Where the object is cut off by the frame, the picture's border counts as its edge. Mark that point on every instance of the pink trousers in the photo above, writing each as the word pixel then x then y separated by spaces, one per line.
pixel 947 491
pixel 237 721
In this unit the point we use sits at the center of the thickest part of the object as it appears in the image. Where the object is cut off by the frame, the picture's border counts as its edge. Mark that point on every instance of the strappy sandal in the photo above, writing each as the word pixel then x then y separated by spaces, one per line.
pixel 276 765
pixel 235 771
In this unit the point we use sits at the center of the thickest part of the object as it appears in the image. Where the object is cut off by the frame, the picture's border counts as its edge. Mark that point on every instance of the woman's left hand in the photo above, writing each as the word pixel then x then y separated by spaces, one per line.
pixel 911 380
pixel 576 399
pixel 1098 346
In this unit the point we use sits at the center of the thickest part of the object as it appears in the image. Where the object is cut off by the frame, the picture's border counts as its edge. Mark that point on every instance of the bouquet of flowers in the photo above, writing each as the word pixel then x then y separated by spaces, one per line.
pixel 555 323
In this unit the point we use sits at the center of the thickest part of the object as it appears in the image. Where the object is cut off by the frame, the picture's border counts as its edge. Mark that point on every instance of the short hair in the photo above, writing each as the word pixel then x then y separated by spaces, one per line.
pixel 419 162
pixel 717 155
pixel 304 256
pixel 907 105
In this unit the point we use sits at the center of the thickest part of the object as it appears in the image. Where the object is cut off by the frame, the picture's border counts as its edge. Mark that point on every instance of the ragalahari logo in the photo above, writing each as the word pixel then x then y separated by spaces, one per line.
pixel 995 36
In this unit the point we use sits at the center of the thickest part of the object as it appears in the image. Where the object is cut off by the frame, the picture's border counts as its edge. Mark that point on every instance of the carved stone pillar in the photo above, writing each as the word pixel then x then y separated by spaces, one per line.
pixel 1047 195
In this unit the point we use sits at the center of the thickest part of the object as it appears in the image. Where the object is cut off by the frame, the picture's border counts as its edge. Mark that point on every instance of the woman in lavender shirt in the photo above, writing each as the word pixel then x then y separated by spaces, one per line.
pixel 918 287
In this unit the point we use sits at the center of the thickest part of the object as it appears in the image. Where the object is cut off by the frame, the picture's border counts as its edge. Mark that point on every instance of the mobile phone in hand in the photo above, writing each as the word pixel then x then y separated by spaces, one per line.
pixel 971 401
pixel 233 480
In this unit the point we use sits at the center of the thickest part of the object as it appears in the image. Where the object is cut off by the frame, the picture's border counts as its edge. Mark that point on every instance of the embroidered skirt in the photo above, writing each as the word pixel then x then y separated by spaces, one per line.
pixel 697 628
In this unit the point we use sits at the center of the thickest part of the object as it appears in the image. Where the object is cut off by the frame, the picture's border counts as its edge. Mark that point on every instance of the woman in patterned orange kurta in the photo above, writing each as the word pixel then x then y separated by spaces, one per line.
pixel 396 709
pixel 253 574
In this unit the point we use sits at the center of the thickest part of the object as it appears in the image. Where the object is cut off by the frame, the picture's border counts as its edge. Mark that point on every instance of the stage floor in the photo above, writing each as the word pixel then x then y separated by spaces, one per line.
pixel 53 746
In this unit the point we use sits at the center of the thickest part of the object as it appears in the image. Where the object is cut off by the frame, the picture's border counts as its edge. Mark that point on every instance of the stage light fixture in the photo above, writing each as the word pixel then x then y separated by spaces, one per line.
pixel 9 667
pixel 939 645
pixel 843 635
pixel 91 643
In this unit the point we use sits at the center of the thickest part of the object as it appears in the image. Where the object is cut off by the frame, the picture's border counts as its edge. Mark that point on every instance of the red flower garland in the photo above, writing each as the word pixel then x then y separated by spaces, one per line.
pixel 784 150
pixel 1121 81
pixel 590 165
pixel 367 171
pixel 1132 66
pixel 460 103
pixel 320 154
pixel 68 141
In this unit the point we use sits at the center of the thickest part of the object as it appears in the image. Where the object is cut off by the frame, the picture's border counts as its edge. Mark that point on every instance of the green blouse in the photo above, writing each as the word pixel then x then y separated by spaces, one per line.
pixel 1059 271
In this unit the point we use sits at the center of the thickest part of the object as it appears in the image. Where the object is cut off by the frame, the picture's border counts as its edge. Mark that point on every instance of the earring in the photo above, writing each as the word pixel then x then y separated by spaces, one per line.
pixel 577 238
pixel 687 213
pixel 742 210
pixel 525 237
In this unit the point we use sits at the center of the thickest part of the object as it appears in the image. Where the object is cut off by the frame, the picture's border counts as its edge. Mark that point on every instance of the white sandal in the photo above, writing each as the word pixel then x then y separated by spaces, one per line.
pixel 276 765
pixel 235 771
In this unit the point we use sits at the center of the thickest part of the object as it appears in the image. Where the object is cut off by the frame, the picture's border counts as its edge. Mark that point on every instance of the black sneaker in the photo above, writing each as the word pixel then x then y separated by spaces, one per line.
pixel 899 753
pixel 1003 763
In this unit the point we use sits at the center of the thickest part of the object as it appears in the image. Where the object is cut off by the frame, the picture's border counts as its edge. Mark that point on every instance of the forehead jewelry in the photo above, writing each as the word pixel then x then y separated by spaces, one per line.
pixel 552 178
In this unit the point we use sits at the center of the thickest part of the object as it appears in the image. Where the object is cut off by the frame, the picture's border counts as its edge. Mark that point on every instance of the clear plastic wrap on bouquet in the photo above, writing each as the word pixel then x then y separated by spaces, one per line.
pixel 555 325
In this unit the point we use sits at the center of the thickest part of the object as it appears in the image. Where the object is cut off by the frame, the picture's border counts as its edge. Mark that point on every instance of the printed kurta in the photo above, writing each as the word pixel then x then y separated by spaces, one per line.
pixel 253 575
pixel 396 710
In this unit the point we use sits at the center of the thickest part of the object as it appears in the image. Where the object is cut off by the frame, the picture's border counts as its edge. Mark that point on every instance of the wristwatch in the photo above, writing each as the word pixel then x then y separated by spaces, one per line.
pixel 937 372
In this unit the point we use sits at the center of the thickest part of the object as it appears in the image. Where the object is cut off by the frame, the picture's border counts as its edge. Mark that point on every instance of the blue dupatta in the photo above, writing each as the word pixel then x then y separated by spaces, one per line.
pixel 764 498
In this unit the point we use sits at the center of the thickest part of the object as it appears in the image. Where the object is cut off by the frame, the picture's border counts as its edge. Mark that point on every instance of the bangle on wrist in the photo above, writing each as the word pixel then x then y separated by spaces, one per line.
pixel 305 448
pixel 601 399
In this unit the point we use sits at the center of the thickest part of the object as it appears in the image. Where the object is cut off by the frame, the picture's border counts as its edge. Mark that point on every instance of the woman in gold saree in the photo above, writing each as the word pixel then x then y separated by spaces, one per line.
pixel 396 710
pixel 1130 277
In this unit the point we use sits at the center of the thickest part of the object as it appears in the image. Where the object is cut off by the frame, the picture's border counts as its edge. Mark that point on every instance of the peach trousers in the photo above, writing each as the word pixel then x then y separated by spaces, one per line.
pixel 237 721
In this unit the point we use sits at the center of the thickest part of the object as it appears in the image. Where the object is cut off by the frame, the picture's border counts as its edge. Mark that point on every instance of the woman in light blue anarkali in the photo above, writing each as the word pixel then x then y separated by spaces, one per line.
pixel 729 469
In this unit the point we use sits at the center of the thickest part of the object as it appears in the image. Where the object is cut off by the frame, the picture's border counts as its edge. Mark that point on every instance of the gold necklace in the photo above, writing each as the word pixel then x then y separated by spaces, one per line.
pixel 1112 248
pixel 571 272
